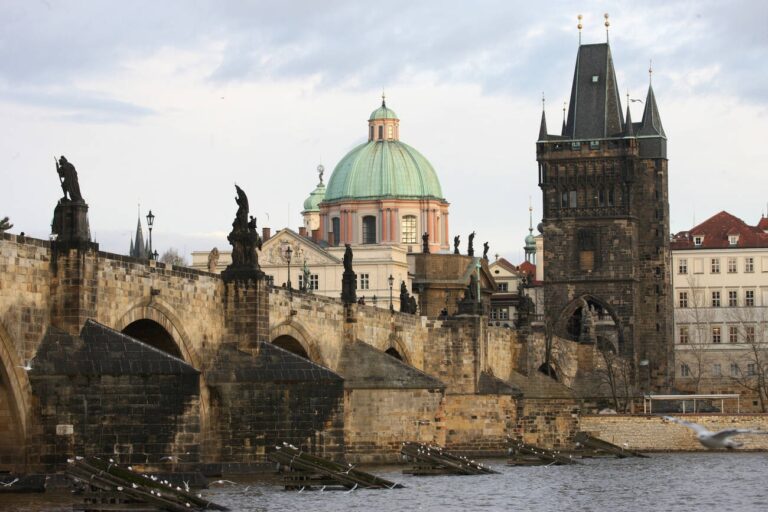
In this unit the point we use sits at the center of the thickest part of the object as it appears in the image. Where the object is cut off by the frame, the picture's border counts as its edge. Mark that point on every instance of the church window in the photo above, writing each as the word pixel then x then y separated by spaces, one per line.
pixel 381 132
pixel 365 281
pixel 336 230
pixel 369 229
pixel 408 229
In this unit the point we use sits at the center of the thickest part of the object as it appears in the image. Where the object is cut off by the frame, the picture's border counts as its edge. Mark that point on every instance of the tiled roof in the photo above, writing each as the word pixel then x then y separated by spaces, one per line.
pixel 715 232
pixel 528 268
pixel 763 224
pixel 505 264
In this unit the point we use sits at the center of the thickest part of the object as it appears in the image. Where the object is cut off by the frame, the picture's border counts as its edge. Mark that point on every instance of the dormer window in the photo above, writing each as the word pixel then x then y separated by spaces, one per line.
pixel 733 239
pixel 698 240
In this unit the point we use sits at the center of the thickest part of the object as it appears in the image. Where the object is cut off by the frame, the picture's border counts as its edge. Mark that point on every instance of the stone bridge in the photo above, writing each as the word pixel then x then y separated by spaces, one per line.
pixel 404 376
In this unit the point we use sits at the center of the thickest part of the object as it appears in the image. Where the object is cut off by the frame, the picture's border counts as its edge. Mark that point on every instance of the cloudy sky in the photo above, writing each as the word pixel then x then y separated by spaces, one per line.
pixel 168 104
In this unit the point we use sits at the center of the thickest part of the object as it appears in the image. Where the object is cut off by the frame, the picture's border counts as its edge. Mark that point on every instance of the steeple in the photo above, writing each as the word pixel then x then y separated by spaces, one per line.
pixel 562 129
pixel 543 126
pixel 138 250
pixel 629 130
pixel 651 123
pixel 594 111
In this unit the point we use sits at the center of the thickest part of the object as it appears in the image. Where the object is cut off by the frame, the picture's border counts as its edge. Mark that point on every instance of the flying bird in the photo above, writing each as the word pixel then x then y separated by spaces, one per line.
pixel 721 439
pixel 27 366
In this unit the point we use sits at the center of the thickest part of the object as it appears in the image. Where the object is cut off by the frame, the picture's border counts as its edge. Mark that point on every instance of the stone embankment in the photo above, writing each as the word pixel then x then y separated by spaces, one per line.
pixel 652 433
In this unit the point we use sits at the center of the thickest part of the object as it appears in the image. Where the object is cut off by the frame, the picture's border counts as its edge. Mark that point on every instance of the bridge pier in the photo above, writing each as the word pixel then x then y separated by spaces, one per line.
pixel 246 312
pixel 74 285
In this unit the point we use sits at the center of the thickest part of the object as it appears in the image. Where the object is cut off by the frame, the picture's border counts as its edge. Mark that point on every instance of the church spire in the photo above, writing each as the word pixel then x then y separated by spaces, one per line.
pixel 651 123
pixel 629 130
pixel 543 126
pixel 138 249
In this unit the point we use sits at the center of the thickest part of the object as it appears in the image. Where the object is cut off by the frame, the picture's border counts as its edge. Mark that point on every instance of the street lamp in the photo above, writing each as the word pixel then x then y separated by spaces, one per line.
pixel 150 223
pixel 288 254
pixel 391 282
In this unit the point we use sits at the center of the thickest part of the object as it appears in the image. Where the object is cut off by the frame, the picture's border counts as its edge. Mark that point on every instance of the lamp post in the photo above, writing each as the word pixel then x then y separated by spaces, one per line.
pixel 288 254
pixel 391 282
pixel 150 223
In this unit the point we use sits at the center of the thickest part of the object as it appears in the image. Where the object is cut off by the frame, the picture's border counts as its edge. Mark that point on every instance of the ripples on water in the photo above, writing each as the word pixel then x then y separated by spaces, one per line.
pixel 666 482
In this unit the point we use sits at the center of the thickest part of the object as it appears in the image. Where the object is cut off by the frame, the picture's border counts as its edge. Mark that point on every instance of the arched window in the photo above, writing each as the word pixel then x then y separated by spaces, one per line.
pixel 335 229
pixel 408 229
pixel 369 229
pixel 381 132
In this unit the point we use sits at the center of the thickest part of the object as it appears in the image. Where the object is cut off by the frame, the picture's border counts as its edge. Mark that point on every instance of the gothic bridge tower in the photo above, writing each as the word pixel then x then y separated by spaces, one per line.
pixel 606 222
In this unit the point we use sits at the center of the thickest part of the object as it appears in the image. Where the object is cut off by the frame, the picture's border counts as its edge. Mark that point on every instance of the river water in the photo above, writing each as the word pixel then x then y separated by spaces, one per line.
pixel 664 482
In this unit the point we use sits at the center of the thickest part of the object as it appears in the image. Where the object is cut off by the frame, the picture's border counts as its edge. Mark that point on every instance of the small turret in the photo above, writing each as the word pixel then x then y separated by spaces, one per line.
pixel 543 127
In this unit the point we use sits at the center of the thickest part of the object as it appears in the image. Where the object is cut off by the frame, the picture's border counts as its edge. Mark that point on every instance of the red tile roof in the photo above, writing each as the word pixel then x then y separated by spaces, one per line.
pixel 763 224
pixel 528 268
pixel 506 265
pixel 716 230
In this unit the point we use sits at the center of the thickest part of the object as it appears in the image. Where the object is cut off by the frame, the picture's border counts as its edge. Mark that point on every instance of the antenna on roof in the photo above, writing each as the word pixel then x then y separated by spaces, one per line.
pixel 580 26
pixel 607 24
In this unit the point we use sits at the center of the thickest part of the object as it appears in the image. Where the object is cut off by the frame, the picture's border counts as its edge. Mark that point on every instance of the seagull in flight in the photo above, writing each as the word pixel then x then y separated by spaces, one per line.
pixel 27 366
pixel 721 439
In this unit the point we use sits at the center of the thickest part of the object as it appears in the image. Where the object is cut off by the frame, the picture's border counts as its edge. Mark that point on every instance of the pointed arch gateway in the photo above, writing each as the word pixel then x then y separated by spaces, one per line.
pixel 15 403
pixel 606 327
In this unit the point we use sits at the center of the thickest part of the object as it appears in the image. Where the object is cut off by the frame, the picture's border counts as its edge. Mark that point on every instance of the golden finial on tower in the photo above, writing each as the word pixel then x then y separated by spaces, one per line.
pixel 580 26
pixel 607 24
pixel 383 98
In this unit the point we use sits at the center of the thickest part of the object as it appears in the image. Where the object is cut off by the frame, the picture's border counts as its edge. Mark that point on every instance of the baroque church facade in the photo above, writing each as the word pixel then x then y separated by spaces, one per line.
pixel 604 183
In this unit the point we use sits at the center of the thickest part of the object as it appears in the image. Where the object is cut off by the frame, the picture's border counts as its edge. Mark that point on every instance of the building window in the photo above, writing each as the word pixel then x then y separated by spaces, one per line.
pixel 717 370
pixel 749 264
pixel 408 229
pixel 499 314
pixel 715 299
pixel 371 135
pixel 715 266
pixel 503 287
pixel 731 265
pixel 682 266
pixel 390 132
pixel 749 333
pixel 749 298
pixel 336 228
pixel 312 284
pixel 611 200
pixel 716 335
pixel 733 298
pixel 751 369
pixel 564 199
pixel 685 370
pixel 594 144
pixel 684 335
pixel 381 132
pixel 733 334
pixel 734 370
pixel 572 202
pixel 369 229
pixel 365 281
pixel 698 240
pixel 683 299
pixel 733 239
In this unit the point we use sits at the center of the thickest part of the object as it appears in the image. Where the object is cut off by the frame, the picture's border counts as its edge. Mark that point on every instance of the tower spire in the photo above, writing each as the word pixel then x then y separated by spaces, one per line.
pixel 562 131
pixel 543 126
pixel 629 130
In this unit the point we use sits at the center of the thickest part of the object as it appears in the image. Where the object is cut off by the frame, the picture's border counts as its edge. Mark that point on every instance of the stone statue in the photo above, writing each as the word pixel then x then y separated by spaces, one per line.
pixel 305 286
pixel 404 306
pixel 347 257
pixel 587 334
pixel 470 245
pixel 485 251
pixel 68 178
pixel 213 259
pixel 413 308
pixel 472 288
pixel 245 241
pixel 456 244
pixel 425 243
pixel 348 278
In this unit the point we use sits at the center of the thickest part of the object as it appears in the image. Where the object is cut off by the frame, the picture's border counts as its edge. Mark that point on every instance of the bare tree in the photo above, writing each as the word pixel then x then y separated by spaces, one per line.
pixel 695 316
pixel 5 224
pixel 615 373
pixel 172 257
pixel 750 365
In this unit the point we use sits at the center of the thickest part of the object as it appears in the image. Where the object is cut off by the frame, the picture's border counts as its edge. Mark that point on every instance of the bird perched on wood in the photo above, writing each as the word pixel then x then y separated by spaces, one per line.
pixel 721 439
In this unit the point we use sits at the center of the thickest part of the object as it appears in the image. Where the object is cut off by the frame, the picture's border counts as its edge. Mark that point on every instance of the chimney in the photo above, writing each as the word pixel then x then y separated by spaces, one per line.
pixel 303 231
pixel 266 234
pixel 315 235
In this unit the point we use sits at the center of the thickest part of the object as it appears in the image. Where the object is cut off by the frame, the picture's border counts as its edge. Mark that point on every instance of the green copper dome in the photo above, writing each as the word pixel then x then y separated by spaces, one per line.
pixel 530 242
pixel 383 112
pixel 312 203
pixel 383 169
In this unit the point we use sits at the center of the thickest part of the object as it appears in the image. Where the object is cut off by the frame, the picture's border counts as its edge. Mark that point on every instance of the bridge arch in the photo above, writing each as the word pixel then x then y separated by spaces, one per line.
pixel 295 338
pixel 148 317
pixel 396 348
pixel 568 321
pixel 15 395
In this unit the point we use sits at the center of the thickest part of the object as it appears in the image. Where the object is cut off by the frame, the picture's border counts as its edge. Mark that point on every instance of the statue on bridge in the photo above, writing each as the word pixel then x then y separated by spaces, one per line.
pixel 245 242
pixel 456 241
pixel 348 279
pixel 425 243
pixel 485 250
pixel 68 179
pixel 470 244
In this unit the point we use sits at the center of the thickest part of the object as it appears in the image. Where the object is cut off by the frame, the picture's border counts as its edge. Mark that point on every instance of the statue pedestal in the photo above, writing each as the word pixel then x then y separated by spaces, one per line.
pixel 70 222
pixel 348 287
pixel 242 274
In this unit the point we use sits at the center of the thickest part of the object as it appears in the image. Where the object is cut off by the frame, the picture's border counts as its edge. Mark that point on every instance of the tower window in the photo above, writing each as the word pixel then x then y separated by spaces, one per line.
pixel 369 229
pixel 370 137
pixel 390 132
pixel 408 229
pixel 381 132
pixel 572 199
pixel 586 245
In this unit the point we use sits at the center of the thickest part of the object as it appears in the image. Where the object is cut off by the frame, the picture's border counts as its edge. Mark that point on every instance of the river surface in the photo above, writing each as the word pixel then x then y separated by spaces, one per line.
pixel 664 482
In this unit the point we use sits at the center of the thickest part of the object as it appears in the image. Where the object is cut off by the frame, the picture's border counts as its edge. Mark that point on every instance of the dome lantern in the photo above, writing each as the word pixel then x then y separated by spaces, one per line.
pixel 383 123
